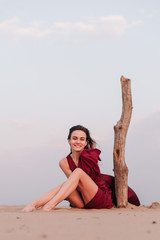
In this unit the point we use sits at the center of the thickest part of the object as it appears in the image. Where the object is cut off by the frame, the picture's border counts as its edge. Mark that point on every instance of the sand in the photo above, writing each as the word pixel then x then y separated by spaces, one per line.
pixel 66 223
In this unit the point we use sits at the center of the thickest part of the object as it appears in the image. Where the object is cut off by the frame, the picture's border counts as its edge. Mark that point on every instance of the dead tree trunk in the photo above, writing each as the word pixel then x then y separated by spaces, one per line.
pixel 120 130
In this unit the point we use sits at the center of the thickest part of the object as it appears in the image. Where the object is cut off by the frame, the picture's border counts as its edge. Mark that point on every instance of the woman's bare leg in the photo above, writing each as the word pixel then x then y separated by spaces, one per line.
pixel 78 178
pixel 75 199
pixel 42 200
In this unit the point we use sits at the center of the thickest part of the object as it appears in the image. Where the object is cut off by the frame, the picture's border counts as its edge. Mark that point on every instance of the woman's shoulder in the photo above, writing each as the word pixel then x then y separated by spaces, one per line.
pixel 63 161
pixel 89 160
pixel 92 154
pixel 64 165
pixel 93 150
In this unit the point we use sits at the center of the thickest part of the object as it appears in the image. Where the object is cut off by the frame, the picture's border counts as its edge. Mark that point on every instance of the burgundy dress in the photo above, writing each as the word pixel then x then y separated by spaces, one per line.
pixel 105 196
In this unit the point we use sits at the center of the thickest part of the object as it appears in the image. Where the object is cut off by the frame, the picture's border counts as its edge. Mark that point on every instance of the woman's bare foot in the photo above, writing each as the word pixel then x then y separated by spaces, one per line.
pixel 29 208
pixel 47 208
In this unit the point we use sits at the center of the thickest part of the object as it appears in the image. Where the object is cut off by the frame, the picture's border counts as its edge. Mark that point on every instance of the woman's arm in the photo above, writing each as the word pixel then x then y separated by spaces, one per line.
pixel 65 167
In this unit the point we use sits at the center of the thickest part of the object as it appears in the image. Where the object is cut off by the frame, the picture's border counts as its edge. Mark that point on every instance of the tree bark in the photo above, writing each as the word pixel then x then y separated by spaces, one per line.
pixel 120 130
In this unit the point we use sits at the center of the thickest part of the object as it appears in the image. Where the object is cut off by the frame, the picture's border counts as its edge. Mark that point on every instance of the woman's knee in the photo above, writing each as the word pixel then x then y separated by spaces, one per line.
pixel 78 171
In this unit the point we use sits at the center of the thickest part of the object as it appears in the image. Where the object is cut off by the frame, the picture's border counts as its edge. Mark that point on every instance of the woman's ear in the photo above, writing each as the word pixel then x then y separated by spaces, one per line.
pixel 69 141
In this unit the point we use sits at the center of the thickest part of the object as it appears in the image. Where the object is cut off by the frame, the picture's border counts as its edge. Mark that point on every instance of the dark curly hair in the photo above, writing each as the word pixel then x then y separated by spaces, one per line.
pixel 90 142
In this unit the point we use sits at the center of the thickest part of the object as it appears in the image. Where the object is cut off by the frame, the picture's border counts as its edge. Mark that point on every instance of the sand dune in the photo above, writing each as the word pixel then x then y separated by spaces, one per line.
pixel 70 223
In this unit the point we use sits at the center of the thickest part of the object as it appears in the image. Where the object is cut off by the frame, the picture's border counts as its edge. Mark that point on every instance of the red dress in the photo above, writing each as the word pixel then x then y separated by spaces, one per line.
pixel 105 196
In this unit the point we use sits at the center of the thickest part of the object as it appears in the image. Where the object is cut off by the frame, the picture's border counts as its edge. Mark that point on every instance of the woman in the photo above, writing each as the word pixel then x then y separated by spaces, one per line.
pixel 85 187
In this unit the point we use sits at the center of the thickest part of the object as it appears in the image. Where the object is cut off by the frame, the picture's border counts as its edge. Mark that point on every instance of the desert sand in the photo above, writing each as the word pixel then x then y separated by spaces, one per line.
pixel 66 223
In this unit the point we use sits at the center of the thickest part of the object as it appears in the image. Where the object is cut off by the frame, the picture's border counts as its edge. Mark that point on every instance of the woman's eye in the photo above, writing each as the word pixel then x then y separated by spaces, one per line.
pixel 81 139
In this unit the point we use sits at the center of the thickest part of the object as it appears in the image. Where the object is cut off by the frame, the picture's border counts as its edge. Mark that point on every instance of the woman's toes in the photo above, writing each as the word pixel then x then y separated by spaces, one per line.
pixel 28 208
pixel 47 208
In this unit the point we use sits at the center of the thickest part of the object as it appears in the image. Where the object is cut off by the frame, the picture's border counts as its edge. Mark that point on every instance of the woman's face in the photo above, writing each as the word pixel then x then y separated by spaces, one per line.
pixel 77 140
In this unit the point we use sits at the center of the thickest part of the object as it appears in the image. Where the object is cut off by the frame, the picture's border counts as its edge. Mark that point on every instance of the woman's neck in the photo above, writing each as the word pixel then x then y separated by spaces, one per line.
pixel 75 157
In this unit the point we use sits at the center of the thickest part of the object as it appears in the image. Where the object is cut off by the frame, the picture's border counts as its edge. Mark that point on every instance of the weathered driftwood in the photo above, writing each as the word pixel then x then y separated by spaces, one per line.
pixel 120 130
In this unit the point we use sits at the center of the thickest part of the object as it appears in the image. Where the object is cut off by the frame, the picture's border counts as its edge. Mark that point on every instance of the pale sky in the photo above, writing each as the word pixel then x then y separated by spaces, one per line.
pixel 61 63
